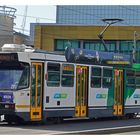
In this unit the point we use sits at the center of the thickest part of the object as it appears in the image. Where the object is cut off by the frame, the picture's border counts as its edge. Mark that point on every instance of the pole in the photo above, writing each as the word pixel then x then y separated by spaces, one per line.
pixel 101 36
pixel 109 22
pixel 134 47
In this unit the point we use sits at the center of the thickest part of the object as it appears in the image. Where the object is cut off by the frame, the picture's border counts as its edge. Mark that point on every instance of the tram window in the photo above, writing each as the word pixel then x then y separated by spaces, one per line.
pixel 137 79
pixel 24 81
pixel 53 74
pixel 130 78
pixel 137 73
pixel 95 77
pixel 67 75
pixel 107 77
pixel 130 73
pixel 130 81
pixel 95 82
pixel 107 72
pixel 96 71
pixel 33 87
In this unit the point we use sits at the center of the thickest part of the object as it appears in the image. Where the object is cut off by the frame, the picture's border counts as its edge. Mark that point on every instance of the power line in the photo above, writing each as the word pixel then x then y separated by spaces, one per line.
pixel 36 17
pixel 58 35
pixel 75 23
pixel 134 10
pixel 79 11
pixel 22 29
pixel 98 17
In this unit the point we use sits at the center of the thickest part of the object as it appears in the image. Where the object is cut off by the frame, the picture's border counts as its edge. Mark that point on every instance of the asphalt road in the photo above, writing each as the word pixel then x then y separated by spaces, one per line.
pixel 90 127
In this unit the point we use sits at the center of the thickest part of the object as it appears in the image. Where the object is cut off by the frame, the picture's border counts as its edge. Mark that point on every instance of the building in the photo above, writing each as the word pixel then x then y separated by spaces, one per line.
pixel 92 14
pixel 7 15
pixel 119 37
pixel 19 38
pixel 7 33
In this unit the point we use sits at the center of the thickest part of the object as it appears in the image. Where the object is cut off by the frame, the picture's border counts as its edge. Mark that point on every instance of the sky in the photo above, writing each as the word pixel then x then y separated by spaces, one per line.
pixel 35 13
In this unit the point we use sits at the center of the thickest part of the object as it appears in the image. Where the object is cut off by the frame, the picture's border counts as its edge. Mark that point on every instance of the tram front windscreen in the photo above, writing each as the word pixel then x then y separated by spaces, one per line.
pixel 14 76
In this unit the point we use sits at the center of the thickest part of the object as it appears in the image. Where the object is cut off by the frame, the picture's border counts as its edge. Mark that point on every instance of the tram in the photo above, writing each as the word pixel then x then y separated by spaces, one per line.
pixel 40 86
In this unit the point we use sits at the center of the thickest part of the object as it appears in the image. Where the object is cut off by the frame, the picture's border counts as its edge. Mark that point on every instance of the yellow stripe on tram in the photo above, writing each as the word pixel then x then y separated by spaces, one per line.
pixel 22 106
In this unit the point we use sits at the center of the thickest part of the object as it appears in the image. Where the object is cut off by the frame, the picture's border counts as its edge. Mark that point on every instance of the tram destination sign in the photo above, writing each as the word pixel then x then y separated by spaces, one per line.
pixel 9 57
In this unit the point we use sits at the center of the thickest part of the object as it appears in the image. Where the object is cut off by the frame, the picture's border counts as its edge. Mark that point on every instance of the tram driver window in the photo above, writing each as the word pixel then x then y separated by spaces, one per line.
pixel 95 77
pixel 53 74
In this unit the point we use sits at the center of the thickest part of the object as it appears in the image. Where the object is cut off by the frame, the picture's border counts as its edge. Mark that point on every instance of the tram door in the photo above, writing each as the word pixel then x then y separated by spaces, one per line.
pixel 118 92
pixel 36 91
pixel 81 91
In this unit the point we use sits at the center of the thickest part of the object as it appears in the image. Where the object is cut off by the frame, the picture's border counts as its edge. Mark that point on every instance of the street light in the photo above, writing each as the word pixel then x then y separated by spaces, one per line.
pixel 109 22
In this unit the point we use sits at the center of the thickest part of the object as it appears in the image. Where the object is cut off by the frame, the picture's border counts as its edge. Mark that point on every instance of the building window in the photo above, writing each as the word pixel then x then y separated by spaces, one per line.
pixel 126 47
pixel 61 44
pixel 98 45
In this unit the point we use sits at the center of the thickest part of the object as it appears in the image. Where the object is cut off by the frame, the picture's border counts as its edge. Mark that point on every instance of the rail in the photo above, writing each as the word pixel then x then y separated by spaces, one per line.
pixel 8 11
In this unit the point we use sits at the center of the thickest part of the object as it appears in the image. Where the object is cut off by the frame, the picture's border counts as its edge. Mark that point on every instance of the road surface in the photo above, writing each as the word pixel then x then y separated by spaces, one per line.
pixel 90 127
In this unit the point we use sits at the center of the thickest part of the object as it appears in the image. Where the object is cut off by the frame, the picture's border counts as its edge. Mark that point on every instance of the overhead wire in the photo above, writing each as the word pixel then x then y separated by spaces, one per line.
pixel 130 9
pixel 57 35
pixel 124 23
pixel 35 17
pixel 77 11
pixel 83 12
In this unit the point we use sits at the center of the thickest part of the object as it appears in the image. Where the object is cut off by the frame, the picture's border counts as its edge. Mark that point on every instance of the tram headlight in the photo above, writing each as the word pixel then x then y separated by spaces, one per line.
pixel 7 106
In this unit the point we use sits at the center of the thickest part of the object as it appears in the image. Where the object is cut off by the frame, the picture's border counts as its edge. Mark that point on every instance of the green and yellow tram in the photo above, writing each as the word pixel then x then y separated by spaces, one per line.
pixel 39 86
